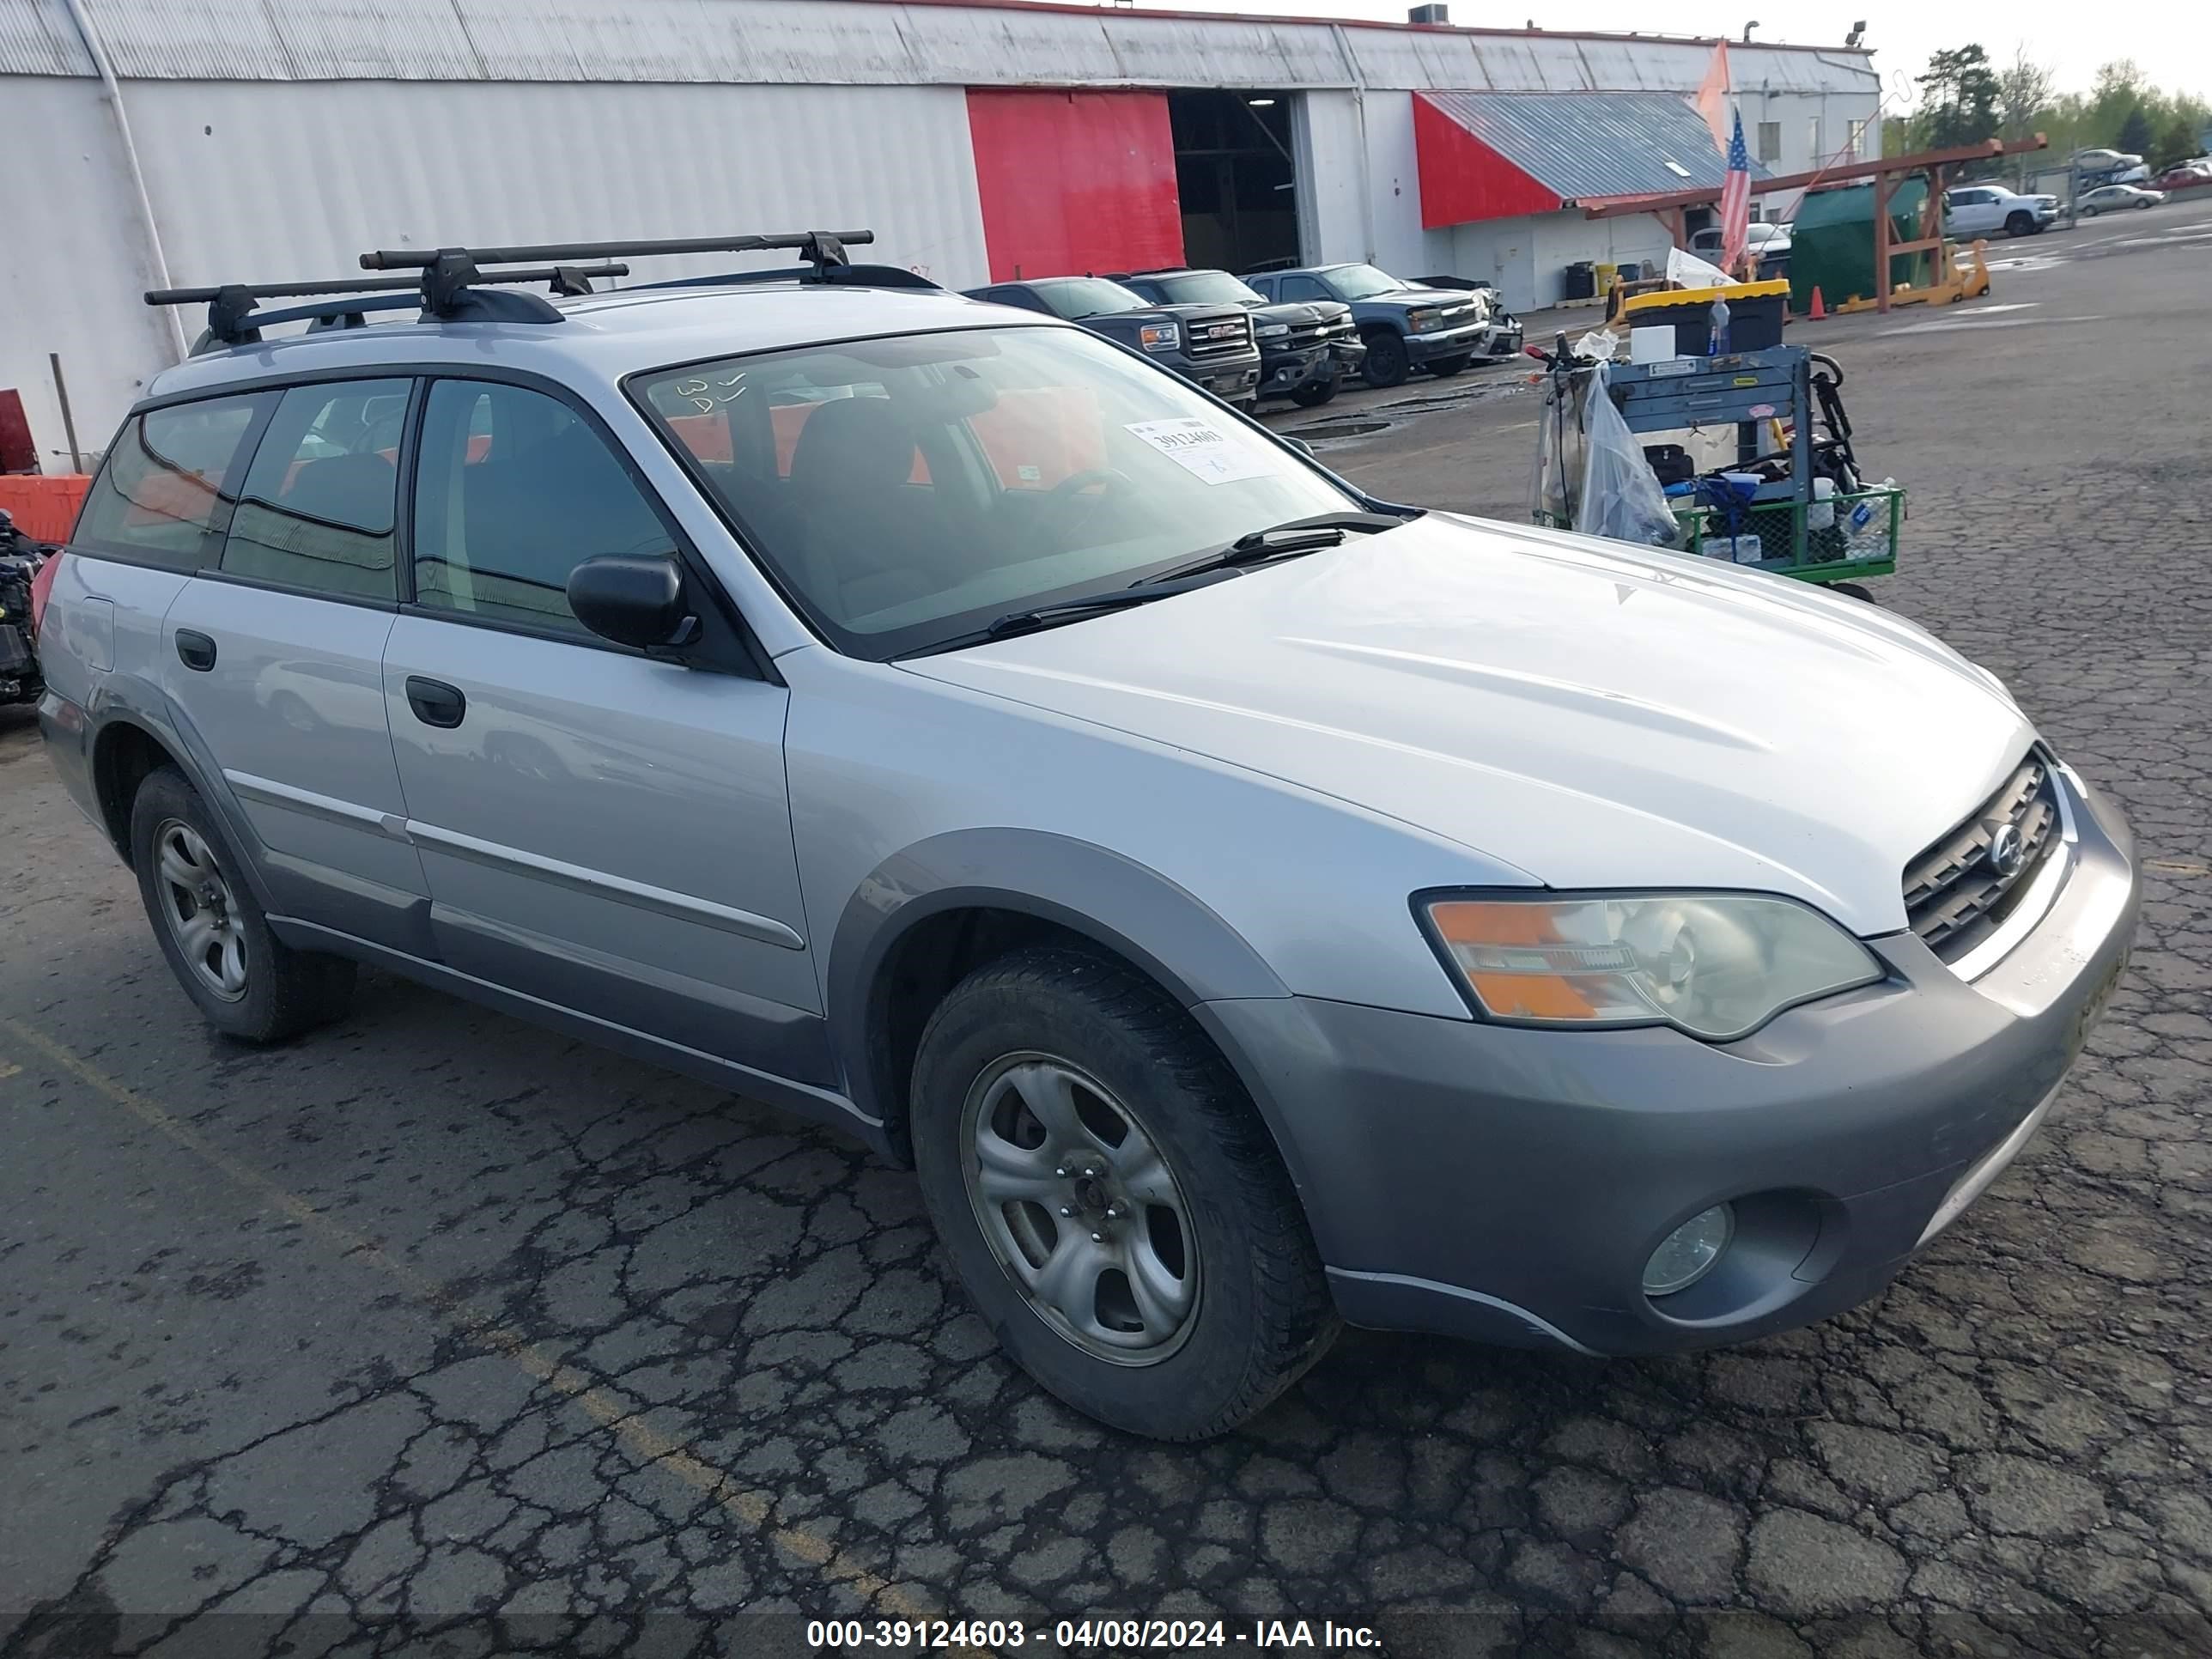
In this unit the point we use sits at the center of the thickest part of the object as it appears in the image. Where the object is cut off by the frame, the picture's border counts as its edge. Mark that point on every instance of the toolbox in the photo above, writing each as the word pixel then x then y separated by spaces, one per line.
pixel 1755 313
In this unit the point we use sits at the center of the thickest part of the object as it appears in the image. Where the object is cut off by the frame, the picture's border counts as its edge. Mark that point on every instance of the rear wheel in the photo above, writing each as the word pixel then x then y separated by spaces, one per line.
pixel 212 929
pixel 1444 367
pixel 1386 363
pixel 1315 394
pixel 1109 1201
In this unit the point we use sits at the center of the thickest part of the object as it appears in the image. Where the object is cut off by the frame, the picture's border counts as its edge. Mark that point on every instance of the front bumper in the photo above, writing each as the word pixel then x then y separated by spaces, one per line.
pixel 1463 341
pixel 1508 1184
pixel 1230 379
pixel 1282 373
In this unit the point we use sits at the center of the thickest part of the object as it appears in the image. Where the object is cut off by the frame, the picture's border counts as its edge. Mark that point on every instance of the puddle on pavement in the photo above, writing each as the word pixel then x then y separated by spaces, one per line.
pixel 1322 431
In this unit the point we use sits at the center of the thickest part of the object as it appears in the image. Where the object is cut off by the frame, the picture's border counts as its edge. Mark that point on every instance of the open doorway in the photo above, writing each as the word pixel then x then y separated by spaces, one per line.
pixel 1233 171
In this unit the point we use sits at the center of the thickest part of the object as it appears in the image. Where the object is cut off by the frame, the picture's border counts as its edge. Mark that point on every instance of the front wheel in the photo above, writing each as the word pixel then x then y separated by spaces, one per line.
pixel 1387 364
pixel 243 980
pixel 2020 224
pixel 1110 1201
pixel 1314 393
pixel 2145 206
pixel 1444 367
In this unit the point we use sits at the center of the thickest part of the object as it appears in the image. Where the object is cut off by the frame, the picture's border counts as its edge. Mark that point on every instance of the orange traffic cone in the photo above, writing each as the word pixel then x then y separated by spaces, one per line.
pixel 1819 311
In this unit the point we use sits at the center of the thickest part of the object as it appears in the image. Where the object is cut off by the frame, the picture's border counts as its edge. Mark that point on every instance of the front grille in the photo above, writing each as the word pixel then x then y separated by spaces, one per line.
pixel 1309 334
pixel 1223 337
pixel 1955 894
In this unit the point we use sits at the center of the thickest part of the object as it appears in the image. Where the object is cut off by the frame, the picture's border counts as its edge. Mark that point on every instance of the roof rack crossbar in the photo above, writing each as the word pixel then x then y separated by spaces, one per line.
pixel 820 247
pixel 233 318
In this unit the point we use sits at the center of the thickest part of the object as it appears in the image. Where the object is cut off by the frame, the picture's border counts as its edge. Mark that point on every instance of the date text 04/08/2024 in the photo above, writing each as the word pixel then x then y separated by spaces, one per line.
pixel 1081 1635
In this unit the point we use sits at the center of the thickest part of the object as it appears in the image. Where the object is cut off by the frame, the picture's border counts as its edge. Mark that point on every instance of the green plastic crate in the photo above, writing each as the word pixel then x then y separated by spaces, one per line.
pixel 1831 555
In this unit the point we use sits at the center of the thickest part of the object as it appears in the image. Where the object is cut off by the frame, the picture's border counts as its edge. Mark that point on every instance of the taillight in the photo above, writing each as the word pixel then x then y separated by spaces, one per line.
pixel 39 585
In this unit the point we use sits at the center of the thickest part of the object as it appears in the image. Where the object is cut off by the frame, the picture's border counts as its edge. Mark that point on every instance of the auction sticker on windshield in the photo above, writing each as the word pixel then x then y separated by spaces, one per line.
pixel 1203 450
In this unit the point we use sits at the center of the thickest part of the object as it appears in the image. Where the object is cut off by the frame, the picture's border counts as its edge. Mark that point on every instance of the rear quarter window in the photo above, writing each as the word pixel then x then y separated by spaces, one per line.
pixel 164 487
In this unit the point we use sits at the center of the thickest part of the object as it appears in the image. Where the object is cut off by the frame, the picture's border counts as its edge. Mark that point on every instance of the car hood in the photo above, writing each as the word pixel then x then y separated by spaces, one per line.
pixel 1587 712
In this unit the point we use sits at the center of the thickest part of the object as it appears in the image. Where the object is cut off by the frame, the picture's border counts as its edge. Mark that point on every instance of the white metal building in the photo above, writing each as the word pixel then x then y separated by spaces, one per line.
pixel 255 140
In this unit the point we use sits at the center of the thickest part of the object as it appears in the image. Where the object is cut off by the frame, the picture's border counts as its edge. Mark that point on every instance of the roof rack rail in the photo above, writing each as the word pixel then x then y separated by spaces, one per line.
pixel 234 319
pixel 820 248
pixel 854 276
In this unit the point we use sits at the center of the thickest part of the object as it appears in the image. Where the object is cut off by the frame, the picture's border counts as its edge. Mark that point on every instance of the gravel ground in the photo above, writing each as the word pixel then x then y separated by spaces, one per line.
pixel 436 1316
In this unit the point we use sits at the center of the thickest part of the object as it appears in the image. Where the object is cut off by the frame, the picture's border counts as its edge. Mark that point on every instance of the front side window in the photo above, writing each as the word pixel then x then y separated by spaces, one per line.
pixel 513 490
pixel 1090 296
pixel 160 493
pixel 1361 282
pixel 320 500
pixel 937 481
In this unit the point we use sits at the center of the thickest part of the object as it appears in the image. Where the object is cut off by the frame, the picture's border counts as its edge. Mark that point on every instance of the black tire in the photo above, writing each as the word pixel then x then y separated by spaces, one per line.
pixel 286 991
pixel 1386 363
pixel 1853 591
pixel 1262 1313
pixel 2020 224
pixel 2145 206
pixel 1314 393
pixel 1444 367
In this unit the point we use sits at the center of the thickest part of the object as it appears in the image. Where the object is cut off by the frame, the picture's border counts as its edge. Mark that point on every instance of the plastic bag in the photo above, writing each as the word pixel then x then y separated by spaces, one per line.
pixel 1621 495
pixel 1685 269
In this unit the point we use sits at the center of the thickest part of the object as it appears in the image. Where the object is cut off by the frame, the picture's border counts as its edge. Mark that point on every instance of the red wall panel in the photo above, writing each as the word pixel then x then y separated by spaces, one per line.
pixel 1075 181
pixel 1462 178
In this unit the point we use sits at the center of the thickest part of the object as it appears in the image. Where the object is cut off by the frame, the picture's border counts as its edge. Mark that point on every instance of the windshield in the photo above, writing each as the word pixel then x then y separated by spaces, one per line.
pixel 1361 282
pixel 908 491
pixel 1090 296
pixel 1201 288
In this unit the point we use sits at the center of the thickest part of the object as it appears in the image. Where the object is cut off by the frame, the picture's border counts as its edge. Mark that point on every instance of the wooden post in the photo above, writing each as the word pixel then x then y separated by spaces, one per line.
pixel 1881 241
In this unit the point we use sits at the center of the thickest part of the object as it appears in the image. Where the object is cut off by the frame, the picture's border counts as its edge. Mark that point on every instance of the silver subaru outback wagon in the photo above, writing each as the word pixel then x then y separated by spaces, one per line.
pixel 1250 906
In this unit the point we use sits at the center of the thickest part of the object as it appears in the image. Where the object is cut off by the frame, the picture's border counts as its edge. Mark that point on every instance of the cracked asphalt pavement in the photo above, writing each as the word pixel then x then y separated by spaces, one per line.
pixel 437 1330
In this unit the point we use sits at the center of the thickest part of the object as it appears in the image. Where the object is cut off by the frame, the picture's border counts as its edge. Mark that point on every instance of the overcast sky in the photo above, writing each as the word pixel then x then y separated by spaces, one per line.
pixel 2174 48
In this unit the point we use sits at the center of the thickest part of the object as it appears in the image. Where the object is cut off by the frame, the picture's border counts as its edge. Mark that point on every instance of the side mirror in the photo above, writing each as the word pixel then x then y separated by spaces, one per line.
pixel 633 599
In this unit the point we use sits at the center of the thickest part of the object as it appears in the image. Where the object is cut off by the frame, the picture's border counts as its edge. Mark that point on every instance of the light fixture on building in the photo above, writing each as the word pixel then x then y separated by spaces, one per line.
pixel 1261 103
pixel 1858 30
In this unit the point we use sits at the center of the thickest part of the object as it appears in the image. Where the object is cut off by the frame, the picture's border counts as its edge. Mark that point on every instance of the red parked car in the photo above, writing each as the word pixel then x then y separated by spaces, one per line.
pixel 2185 177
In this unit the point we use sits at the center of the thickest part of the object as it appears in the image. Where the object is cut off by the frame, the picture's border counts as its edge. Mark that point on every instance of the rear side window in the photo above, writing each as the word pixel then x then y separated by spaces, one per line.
pixel 515 490
pixel 162 491
pixel 321 500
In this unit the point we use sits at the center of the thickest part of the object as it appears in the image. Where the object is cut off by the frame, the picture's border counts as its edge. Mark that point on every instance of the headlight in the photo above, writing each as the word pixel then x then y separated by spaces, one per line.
pixel 1160 336
pixel 1717 965
pixel 1421 321
pixel 1275 332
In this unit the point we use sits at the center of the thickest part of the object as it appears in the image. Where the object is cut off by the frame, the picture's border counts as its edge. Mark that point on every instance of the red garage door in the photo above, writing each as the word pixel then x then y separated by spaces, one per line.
pixel 1075 181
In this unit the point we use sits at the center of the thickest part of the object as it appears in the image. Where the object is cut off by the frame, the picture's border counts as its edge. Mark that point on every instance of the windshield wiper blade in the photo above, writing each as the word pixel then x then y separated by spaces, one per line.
pixel 1067 611
pixel 1307 535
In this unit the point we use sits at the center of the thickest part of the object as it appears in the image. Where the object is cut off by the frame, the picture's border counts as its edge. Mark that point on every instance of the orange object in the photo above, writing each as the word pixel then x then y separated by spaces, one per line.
pixel 43 507
pixel 1819 311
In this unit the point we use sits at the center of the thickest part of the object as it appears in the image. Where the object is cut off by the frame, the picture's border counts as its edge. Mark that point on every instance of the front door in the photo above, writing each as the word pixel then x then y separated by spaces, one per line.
pixel 603 831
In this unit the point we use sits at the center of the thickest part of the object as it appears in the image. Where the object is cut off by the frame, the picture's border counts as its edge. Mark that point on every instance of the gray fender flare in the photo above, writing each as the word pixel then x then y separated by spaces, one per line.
pixel 129 700
pixel 1133 911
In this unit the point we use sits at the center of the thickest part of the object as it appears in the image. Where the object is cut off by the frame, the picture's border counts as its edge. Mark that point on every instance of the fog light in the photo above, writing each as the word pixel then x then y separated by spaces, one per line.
pixel 1686 1254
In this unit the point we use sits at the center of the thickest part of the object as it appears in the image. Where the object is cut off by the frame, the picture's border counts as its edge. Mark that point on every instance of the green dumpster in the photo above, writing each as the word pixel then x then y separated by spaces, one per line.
pixel 1832 244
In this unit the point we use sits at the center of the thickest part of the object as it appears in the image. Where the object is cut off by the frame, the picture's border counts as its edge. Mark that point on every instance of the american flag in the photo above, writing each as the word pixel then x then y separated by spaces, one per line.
pixel 1735 200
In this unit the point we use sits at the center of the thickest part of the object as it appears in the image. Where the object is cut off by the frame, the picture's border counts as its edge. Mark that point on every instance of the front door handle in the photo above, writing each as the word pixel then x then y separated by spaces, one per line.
pixel 435 703
pixel 195 650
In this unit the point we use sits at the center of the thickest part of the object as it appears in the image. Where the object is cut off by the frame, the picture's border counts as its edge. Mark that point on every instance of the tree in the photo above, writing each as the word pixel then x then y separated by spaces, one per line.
pixel 2176 144
pixel 2136 133
pixel 1959 94
pixel 2023 92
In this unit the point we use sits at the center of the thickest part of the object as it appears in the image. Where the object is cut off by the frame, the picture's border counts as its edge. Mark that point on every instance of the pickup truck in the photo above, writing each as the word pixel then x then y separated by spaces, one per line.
pixel 1405 327
pixel 1984 210
pixel 1212 346
pixel 1304 349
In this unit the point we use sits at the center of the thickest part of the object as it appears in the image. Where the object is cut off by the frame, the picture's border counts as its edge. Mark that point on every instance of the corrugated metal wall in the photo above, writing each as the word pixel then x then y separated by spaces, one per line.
pixel 846 42
pixel 269 182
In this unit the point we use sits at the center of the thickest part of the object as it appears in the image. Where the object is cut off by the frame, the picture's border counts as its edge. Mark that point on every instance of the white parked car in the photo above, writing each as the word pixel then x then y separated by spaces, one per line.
pixel 1767 241
pixel 1984 210
pixel 2110 199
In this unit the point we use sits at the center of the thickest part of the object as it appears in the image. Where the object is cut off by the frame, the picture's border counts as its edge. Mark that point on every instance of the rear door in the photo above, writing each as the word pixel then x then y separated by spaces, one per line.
pixel 602 830
pixel 275 652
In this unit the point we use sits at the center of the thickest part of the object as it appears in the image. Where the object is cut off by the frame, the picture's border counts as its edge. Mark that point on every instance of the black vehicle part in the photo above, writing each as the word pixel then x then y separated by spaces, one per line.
pixel 234 318
pixel 1386 363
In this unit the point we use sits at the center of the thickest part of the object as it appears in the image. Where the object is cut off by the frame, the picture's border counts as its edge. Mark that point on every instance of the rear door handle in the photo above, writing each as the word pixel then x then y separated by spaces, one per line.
pixel 435 703
pixel 195 650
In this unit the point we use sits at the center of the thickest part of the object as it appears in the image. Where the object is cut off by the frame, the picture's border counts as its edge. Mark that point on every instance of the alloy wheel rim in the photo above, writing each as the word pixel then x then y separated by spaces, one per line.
pixel 1081 1208
pixel 199 910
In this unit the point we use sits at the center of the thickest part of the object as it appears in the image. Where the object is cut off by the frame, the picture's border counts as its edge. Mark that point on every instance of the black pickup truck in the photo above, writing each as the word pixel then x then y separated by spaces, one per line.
pixel 1209 345
pixel 1305 348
